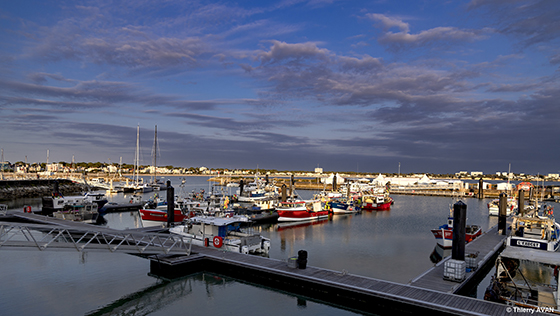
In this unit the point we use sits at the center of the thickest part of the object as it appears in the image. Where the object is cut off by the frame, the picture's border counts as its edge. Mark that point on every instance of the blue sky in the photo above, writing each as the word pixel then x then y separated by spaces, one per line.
pixel 437 86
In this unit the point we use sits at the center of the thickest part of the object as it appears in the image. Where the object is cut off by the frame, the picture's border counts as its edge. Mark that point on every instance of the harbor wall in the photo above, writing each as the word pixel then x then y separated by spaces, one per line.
pixel 11 189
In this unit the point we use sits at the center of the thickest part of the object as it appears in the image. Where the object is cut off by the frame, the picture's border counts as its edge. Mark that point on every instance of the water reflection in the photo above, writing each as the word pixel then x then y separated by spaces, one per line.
pixel 439 253
pixel 203 293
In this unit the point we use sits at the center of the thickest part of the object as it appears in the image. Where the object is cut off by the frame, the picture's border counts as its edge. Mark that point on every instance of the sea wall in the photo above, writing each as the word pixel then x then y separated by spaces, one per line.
pixel 11 189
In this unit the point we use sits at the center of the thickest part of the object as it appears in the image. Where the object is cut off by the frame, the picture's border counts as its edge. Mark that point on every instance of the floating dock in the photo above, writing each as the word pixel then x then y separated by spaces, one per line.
pixel 428 293
pixel 487 248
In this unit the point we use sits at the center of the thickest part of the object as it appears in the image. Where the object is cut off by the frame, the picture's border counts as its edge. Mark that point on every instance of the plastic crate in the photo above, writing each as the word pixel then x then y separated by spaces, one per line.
pixel 454 270
pixel 471 263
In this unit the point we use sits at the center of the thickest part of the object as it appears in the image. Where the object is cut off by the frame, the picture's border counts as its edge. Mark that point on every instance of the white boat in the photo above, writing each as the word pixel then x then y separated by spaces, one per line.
pixel 223 233
pixel 82 208
pixel 535 231
pixel 526 278
pixel 494 207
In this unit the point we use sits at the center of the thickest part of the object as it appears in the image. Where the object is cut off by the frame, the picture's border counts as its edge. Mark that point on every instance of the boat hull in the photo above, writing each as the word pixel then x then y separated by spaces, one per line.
pixel 515 241
pixel 152 217
pixel 377 206
pixel 342 208
pixel 444 236
pixel 300 215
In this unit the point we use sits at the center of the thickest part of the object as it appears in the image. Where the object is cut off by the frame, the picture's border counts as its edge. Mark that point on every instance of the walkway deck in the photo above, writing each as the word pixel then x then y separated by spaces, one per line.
pixel 428 293
pixel 338 288
pixel 487 247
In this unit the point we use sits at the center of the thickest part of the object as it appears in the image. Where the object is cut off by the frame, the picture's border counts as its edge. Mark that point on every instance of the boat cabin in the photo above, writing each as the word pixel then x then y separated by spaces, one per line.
pixel 526 277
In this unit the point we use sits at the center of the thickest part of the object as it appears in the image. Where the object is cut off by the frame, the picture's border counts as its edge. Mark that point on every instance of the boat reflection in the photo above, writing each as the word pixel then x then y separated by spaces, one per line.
pixel 439 253
pixel 380 214
pixel 288 226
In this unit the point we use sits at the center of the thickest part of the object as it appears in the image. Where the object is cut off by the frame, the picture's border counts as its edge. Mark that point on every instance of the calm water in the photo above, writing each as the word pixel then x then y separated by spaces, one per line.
pixel 394 245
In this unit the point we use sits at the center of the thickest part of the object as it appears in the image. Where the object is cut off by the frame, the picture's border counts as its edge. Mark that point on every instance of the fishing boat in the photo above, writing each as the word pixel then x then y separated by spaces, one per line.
pixel 376 201
pixel 300 210
pixel 494 207
pixel 526 278
pixel 223 233
pixel 158 217
pixel 444 234
pixel 340 206
pixel 336 203
pixel 535 231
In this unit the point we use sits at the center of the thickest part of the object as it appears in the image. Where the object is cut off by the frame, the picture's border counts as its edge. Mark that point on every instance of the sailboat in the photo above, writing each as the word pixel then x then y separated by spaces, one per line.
pixel 155 183
pixel 137 185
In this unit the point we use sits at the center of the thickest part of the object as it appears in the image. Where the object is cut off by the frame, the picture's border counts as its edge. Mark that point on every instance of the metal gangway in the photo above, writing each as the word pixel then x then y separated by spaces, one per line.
pixel 56 237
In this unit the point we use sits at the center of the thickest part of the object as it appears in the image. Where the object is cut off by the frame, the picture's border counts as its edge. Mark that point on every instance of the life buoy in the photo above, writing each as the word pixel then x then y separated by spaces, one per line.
pixel 218 241
pixel 27 209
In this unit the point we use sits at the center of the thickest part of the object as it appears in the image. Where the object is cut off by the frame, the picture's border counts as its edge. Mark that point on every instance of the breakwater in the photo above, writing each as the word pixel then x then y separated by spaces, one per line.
pixel 11 189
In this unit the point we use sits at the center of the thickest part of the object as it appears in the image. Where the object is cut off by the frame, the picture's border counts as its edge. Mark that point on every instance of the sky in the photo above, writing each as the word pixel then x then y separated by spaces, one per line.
pixel 361 86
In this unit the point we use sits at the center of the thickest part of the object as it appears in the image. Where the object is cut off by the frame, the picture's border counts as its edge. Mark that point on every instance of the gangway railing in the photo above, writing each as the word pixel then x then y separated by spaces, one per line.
pixel 51 237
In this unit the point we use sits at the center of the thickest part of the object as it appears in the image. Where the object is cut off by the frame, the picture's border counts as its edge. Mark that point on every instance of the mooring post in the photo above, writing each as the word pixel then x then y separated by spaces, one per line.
pixel 502 214
pixel 334 183
pixel 521 202
pixel 170 204
pixel 241 185
pixel 459 230
pixel 302 259
pixel 55 188
pixel 480 189
pixel 284 194
pixel 292 182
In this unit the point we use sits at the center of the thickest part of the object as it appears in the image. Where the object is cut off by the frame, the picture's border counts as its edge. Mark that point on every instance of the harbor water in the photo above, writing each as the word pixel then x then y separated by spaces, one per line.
pixel 393 245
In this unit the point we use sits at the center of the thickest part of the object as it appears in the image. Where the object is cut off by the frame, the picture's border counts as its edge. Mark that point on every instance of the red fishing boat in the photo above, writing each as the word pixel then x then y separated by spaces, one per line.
pixel 444 234
pixel 158 217
pixel 376 202
pixel 292 211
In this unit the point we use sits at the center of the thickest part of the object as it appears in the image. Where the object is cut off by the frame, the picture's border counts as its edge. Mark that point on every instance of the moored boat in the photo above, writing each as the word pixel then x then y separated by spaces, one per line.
pixel 158 217
pixel 376 202
pixel 444 234
pixel 342 206
pixel 494 207
pixel 224 233
pixel 299 210
pixel 526 278
pixel 535 231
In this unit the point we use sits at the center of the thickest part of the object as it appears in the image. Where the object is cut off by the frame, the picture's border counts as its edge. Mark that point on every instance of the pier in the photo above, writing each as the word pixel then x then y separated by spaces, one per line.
pixel 337 288
pixel 487 247
pixel 427 293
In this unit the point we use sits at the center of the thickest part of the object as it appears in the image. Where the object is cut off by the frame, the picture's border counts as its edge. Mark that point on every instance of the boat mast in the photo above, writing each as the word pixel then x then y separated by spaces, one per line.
pixel 137 157
pixel 154 158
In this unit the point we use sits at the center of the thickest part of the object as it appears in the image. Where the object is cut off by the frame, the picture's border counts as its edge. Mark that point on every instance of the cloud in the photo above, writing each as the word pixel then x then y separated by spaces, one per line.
pixel 389 22
pixel 93 94
pixel 530 22
pixel 404 38
pixel 281 51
